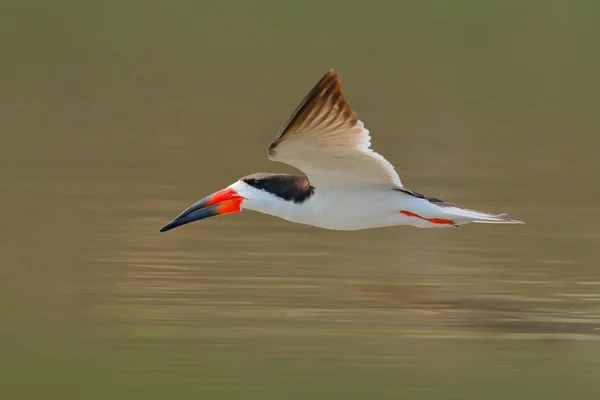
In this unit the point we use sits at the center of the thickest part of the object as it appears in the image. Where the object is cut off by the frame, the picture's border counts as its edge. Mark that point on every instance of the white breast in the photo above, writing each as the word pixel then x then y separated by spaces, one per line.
pixel 351 210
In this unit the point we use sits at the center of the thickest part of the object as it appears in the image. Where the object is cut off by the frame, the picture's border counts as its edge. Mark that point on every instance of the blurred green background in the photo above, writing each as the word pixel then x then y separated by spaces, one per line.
pixel 116 115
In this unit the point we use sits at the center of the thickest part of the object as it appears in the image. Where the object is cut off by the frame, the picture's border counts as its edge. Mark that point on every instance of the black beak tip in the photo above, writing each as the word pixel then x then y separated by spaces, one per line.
pixel 190 216
pixel 166 228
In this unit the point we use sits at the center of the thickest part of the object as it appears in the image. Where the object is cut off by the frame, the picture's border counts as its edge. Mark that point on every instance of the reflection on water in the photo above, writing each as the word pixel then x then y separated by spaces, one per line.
pixel 123 125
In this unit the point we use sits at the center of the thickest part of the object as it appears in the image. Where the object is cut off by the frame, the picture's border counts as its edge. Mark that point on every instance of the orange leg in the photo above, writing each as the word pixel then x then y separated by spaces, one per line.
pixel 432 220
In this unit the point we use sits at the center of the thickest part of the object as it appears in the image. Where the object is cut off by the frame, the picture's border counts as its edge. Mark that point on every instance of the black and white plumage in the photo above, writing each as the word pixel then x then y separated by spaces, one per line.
pixel 345 186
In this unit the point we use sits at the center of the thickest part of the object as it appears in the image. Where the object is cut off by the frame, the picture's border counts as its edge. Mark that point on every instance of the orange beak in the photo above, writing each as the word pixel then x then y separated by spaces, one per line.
pixel 222 202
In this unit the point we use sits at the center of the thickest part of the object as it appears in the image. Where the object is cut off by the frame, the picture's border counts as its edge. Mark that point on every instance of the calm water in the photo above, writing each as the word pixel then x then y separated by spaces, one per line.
pixel 116 116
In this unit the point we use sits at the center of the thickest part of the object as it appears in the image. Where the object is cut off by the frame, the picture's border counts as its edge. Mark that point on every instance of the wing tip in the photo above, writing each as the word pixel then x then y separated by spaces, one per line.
pixel 329 80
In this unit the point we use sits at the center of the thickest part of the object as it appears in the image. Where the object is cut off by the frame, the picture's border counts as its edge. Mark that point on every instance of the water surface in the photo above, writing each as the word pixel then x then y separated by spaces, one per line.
pixel 116 116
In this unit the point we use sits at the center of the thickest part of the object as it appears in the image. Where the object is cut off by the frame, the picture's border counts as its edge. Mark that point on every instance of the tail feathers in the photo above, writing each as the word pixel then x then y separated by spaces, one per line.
pixel 499 219
pixel 464 216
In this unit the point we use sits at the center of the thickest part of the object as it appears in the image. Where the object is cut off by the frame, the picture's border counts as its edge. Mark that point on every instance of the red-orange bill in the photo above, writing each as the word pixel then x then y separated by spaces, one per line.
pixel 222 202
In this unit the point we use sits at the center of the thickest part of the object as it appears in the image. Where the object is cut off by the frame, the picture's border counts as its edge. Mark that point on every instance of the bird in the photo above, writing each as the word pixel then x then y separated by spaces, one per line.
pixel 345 185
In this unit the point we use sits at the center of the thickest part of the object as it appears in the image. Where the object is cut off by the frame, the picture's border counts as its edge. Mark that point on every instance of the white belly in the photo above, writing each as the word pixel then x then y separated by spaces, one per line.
pixel 344 210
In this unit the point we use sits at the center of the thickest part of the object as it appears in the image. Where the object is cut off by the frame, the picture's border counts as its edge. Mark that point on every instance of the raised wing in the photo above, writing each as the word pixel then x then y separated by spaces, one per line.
pixel 326 140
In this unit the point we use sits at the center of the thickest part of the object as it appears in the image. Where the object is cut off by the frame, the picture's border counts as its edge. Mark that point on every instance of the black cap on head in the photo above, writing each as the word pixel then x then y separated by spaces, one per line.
pixel 289 187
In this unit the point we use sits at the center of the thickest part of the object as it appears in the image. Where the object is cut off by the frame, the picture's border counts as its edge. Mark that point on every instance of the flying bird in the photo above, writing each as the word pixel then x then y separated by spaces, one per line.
pixel 345 185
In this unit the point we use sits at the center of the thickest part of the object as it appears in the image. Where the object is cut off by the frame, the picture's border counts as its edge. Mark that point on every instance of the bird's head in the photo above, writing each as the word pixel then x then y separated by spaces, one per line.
pixel 264 192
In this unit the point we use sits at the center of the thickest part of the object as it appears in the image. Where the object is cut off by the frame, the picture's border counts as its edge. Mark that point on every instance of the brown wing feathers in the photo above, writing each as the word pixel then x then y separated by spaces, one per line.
pixel 324 109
